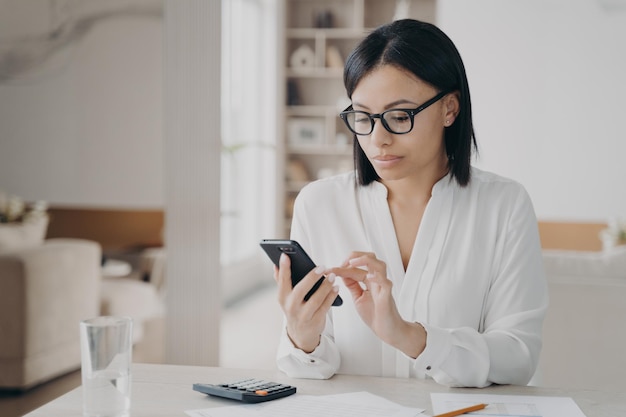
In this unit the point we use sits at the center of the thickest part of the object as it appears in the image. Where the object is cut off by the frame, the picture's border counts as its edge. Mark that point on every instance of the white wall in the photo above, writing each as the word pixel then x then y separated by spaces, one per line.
pixel 85 127
pixel 547 82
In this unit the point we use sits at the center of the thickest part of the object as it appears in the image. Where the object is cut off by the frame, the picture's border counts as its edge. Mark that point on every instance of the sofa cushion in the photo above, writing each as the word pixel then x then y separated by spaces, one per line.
pixel 28 234
pixel 140 300
pixel 607 264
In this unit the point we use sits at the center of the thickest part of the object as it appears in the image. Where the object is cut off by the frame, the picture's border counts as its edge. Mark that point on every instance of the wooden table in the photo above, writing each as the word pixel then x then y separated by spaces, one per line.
pixel 165 390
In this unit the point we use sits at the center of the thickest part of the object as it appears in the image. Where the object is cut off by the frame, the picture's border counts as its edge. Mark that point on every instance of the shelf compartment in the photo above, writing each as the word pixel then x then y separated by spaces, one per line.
pixel 318 91
pixel 315 14
pixel 379 12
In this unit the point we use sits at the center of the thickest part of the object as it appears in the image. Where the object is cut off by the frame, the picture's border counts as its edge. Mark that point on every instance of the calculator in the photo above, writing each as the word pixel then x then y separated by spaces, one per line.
pixel 247 390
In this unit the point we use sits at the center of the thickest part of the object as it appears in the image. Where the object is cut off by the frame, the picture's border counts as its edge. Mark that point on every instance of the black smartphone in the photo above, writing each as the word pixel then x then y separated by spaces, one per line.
pixel 301 263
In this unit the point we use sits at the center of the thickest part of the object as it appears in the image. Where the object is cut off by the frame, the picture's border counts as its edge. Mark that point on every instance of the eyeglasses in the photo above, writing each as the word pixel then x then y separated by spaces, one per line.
pixel 397 121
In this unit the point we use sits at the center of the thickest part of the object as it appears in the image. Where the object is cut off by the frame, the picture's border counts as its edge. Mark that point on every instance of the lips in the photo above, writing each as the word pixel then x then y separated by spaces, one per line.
pixel 386 157
pixel 385 161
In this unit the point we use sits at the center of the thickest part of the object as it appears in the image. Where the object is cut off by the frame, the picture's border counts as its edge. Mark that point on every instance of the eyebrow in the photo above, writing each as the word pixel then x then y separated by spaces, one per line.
pixel 388 106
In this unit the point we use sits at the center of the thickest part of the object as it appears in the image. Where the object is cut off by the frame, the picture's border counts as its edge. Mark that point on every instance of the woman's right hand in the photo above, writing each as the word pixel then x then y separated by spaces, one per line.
pixel 305 319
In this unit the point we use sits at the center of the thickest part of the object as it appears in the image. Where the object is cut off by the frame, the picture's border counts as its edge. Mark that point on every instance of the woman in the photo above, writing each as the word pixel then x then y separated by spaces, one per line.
pixel 441 262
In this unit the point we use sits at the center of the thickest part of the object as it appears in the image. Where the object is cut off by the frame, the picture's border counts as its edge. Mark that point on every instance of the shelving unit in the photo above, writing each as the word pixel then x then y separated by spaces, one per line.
pixel 318 37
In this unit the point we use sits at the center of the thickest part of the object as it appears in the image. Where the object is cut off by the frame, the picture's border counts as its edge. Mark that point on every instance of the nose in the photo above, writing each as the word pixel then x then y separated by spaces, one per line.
pixel 380 136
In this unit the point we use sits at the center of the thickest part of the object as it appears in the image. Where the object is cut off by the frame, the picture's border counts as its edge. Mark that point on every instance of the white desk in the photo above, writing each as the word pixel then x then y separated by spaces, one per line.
pixel 165 390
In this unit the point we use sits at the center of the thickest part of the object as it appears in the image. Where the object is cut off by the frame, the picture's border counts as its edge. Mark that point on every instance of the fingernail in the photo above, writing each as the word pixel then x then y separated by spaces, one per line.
pixel 352 261
pixel 369 275
pixel 331 277
pixel 320 269
pixel 336 288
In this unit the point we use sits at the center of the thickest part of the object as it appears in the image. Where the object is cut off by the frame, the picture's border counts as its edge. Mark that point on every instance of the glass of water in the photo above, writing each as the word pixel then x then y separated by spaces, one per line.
pixel 106 352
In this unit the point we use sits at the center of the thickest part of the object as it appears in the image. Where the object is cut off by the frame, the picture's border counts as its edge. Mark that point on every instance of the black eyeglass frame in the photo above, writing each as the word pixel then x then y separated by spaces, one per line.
pixel 411 112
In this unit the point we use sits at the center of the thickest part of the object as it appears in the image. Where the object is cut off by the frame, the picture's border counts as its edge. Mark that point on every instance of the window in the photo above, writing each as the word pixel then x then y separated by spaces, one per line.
pixel 248 174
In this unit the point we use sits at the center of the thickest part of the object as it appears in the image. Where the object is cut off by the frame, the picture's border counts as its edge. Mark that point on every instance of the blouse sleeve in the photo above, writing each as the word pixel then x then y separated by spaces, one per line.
pixel 505 350
pixel 324 361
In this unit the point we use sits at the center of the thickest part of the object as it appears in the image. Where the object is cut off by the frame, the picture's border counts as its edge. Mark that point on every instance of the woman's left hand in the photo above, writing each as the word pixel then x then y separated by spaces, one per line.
pixel 375 303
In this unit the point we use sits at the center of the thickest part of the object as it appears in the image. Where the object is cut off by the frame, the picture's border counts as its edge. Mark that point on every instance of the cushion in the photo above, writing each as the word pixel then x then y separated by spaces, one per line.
pixel 128 297
pixel 17 236
pixel 606 264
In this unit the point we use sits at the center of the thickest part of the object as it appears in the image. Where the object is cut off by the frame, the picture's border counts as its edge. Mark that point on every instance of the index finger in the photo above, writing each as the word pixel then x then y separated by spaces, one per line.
pixel 354 255
pixel 356 274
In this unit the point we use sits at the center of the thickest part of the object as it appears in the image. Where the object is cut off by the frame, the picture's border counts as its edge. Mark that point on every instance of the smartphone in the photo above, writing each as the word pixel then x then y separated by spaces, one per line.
pixel 301 263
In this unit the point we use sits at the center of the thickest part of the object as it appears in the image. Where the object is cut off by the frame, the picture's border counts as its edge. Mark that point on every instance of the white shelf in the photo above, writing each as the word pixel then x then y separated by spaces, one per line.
pixel 328 33
pixel 337 150
pixel 316 72
pixel 312 111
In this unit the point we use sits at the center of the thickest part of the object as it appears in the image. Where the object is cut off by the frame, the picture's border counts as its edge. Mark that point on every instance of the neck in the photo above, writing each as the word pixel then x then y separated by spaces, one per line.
pixel 417 188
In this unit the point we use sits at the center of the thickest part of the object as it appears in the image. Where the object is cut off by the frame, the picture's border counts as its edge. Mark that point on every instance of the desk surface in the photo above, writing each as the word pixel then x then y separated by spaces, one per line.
pixel 165 390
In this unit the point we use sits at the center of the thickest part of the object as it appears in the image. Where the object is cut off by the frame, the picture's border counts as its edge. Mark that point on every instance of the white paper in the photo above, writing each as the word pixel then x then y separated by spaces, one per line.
pixel 507 405
pixel 358 404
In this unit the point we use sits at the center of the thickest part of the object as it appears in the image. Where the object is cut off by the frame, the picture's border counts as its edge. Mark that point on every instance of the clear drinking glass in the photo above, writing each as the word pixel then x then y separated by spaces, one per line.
pixel 106 352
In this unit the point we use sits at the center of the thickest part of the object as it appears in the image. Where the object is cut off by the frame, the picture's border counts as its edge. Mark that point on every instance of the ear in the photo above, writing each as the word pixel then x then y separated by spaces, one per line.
pixel 451 108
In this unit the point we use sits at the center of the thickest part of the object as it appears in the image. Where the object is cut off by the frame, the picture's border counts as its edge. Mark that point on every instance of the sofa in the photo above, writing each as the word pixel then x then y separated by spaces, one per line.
pixel 585 327
pixel 45 291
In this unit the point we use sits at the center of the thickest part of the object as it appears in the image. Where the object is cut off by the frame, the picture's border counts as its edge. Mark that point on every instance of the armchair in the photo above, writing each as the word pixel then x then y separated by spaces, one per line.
pixel 45 290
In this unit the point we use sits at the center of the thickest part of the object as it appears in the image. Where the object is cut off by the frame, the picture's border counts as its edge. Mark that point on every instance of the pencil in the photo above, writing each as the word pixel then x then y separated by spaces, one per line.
pixel 462 411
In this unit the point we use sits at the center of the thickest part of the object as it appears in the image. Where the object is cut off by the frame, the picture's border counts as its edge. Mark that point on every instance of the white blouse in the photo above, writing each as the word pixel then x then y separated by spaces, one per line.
pixel 475 281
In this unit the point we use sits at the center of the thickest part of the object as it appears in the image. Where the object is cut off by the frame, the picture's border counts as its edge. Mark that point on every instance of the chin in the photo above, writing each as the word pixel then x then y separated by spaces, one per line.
pixel 388 175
